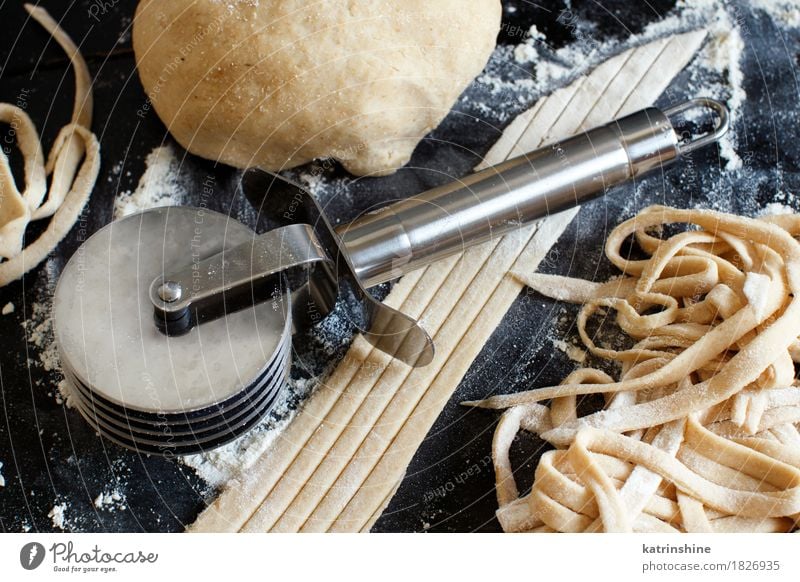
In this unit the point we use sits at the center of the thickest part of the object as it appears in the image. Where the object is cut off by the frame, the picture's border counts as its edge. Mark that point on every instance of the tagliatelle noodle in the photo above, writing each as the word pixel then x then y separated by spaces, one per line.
pixel 73 163
pixel 700 432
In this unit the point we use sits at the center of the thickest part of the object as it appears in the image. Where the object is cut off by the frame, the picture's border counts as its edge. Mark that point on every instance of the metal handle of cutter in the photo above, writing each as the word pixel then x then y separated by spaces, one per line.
pixel 413 233
pixel 410 234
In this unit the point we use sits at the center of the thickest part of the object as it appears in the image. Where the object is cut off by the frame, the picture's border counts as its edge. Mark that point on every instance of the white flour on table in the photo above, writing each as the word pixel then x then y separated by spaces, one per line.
pixel 218 466
pixel 111 501
pixel 775 209
pixel 783 12
pixel 58 515
pixel 160 185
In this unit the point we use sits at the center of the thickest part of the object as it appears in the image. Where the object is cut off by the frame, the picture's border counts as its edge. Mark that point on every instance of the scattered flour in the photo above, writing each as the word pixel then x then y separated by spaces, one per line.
pixel 115 172
pixel 160 185
pixel 716 72
pixel 526 52
pixel 8 308
pixel 775 209
pixel 573 352
pixel 218 466
pixel 126 26
pixel 110 501
pixel 329 338
pixel 785 12
pixel 64 394
pixel 59 516
pixel 324 188
pixel 39 333
pixel 722 55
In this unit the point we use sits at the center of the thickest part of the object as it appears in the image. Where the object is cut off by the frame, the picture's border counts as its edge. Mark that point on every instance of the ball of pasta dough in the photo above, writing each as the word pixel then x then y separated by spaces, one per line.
pixel 277 83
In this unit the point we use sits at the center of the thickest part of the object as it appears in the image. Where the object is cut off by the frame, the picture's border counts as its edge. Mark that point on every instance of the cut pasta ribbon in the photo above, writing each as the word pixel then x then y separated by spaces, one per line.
pixel 700 431
pixel 73 165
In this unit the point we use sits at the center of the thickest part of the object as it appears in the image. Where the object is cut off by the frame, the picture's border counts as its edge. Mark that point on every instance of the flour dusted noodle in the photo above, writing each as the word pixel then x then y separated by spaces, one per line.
pixel 73 164
pixel 700 431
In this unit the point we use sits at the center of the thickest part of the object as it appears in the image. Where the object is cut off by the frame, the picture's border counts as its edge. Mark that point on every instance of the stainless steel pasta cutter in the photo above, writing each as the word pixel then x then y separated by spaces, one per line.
pixel 174 325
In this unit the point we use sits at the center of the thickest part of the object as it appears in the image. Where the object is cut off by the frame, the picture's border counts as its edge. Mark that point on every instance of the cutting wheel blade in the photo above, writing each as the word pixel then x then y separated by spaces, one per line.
pixel 153 392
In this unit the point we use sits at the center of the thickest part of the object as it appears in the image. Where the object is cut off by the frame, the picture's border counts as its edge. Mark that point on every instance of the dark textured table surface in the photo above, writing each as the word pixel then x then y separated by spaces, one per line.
pixel 50 455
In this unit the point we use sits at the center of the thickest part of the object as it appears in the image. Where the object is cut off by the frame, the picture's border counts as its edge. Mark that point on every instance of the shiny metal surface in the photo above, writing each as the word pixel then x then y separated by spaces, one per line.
pixel 407 235
pixel 690 143
pixel 388 329
pixel 294 246
pixel 104 325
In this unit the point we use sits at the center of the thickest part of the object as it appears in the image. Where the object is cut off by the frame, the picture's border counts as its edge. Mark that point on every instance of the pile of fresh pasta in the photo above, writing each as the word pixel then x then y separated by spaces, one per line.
pixel 700 431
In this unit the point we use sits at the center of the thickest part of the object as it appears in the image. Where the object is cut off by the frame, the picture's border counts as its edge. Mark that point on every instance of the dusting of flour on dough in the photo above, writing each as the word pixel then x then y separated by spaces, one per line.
pixel 573 352
pixel 756 289
pixel 538 69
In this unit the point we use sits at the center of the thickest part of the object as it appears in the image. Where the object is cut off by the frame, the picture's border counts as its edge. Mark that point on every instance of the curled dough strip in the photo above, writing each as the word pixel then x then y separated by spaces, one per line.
pixel 16 208
pixel 532 418
pixel 69 148
pixel 700 431
pixel 64 218
pixel 71 183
